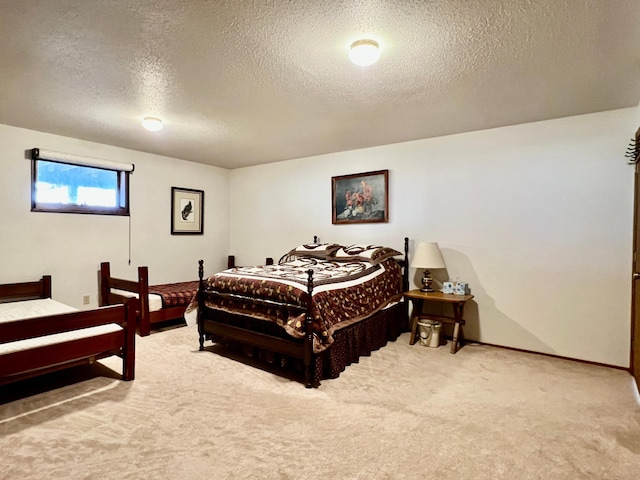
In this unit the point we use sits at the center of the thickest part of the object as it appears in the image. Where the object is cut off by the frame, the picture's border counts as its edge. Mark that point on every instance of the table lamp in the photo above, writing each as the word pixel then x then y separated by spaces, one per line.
pixel 427 256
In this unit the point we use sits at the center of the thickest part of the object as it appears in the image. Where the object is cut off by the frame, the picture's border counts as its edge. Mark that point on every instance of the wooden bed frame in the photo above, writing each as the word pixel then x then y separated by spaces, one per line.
pixel 39 360
pixel 214 323
pixel 145 317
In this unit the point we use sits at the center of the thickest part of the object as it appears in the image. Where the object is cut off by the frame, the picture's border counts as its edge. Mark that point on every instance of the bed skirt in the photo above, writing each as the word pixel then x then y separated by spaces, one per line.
pixel 359 339
pixel 350 343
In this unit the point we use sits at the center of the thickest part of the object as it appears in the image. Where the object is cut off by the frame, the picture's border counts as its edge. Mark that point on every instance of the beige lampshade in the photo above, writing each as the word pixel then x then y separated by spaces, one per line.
pixel 428 256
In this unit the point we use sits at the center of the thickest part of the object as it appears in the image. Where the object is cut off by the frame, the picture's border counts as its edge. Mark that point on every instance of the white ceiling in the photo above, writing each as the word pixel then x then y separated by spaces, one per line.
pixel 241 82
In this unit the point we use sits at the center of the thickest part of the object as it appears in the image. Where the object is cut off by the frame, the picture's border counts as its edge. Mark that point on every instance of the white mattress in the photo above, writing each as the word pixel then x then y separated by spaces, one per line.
pixel 16 311
pixel 32 308
pixel 155 301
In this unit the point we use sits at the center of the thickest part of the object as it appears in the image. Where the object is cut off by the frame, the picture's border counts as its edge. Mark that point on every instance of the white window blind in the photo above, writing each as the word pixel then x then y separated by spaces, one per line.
pixel 73 159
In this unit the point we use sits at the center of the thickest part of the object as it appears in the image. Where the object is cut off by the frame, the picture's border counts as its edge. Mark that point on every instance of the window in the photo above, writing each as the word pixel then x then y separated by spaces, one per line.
pixel 74 184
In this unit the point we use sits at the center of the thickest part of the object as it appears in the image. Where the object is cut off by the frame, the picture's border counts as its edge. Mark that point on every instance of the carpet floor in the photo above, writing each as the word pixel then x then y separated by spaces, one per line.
pixel 405 412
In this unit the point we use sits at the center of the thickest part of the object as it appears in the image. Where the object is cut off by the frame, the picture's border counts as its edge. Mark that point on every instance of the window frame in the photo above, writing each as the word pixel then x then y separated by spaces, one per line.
pixel 122 192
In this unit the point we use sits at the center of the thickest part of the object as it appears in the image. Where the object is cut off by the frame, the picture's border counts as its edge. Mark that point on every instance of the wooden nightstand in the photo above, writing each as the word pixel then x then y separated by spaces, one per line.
pixel 457 303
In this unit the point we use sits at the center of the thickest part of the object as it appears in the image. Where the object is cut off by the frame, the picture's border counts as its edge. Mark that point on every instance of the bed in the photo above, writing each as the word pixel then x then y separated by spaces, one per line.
pixel 158 303
pixel 39 335
pixel 322 306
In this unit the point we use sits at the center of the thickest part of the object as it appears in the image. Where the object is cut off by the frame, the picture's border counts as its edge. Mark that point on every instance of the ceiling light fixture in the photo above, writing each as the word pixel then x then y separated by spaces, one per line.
pixel 364 52
pixel 152 124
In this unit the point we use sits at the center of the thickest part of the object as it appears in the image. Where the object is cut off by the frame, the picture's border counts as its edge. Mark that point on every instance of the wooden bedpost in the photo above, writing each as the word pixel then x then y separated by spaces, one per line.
pixel 105 274
pixel 315 239
pixel 405 272
pixel 405 279
pixel 231 261
pixel 144 326
pixel 308 343
pixel 46 286
pixel 129 349
pixel 201 300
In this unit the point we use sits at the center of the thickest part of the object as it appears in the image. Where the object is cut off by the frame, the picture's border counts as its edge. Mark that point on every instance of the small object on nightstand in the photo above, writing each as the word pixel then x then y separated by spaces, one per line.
pixel 457 288
pixel 460 288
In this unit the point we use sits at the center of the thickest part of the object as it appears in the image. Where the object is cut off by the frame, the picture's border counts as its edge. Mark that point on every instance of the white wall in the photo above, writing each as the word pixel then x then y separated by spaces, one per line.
pixel 536 217
pixel 70 247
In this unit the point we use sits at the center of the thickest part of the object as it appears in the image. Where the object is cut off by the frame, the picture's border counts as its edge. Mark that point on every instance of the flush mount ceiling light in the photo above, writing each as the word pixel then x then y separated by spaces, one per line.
pixel 152 124
pixel 364 52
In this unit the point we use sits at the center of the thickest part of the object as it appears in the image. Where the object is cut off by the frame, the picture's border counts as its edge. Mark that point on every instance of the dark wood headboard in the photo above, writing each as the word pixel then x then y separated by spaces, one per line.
pixel 14 292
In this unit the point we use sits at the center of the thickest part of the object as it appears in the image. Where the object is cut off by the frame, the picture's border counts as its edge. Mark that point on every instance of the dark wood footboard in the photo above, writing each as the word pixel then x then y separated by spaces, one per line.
pixel 36 361
pixel 215 323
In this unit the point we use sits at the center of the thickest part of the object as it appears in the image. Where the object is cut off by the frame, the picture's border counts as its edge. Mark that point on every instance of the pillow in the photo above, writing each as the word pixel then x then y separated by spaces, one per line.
pixel 314 250
pixel 366 253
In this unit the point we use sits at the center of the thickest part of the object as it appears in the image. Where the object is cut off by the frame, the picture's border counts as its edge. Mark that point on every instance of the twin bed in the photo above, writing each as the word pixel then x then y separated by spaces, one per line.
pixel 158 303
pixel 39 335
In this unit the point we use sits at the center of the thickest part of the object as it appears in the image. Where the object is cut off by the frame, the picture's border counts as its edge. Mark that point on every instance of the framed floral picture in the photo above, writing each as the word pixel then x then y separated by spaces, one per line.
pixel 361 197
pixel 187 211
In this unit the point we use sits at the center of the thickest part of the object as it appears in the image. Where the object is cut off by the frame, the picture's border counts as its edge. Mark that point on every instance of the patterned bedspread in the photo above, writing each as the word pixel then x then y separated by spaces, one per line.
pixel 174 294
pixel 343 292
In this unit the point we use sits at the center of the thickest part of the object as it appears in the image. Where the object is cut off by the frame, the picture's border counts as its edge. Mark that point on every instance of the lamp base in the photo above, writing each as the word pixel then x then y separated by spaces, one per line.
pixel 427 280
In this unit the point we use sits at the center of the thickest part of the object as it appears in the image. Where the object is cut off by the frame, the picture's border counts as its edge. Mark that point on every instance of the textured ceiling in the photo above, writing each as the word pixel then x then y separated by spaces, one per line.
pixel 241 82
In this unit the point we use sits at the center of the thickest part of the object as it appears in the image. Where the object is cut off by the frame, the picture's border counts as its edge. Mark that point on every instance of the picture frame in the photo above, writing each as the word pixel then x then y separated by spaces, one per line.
pixel 187 211
pixel 360 197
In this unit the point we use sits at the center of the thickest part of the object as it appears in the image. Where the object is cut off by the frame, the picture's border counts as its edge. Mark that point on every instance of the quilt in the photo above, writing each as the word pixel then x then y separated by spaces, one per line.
pixel 175 294
pixel 344 291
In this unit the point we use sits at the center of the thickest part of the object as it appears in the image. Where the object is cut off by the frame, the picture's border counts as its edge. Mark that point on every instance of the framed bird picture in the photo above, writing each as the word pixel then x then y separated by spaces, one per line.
pixel 187 211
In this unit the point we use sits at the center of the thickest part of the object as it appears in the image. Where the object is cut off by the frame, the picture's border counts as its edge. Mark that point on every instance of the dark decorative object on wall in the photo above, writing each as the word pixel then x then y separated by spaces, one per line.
pixel 361 197
pixel 633 151
pixel 187 211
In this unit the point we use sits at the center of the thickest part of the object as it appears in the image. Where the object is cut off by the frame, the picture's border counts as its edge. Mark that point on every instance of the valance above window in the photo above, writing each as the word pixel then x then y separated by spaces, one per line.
pixel 73 159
